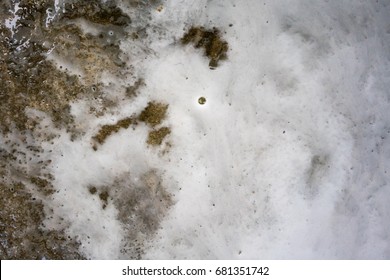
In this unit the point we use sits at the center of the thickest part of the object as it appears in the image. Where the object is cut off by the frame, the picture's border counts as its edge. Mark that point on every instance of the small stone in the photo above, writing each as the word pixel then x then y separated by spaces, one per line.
pixel 202 100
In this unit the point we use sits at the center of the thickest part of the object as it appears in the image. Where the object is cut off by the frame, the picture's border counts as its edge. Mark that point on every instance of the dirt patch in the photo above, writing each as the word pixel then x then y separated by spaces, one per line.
pixel 154 113
pixel 24 165
pixel 92 190
pixel 109 129
pixel 104 198
pixel 96 11
pixel 103 194
pixel 91 55
pixel 156 137
pixel 41 87
pixel 29 80
pixel 142 207
pixel 132 91
pixel 22 234
pixel 44 185
pixel 33 87
pixel 210 40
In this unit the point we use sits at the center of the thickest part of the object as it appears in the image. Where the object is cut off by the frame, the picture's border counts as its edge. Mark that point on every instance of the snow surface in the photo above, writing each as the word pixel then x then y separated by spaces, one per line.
pixel 293 145
pixel 288 159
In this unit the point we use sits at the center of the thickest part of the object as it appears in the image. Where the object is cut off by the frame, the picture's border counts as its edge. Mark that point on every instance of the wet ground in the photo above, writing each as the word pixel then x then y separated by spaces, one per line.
pixel 52 55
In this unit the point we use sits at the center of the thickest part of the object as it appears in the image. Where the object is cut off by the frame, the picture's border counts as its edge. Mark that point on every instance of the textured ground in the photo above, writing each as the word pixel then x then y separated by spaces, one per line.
pixel 194 129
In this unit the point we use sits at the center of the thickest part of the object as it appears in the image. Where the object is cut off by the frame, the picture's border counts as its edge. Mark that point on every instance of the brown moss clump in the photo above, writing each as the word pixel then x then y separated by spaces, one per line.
pixel 156 137
pixel 109 129
pixel 22 235
pixel 153 114
pixel 215 48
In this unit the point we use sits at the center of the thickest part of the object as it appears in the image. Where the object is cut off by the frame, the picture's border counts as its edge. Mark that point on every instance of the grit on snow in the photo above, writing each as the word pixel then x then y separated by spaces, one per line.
pixel 281 151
